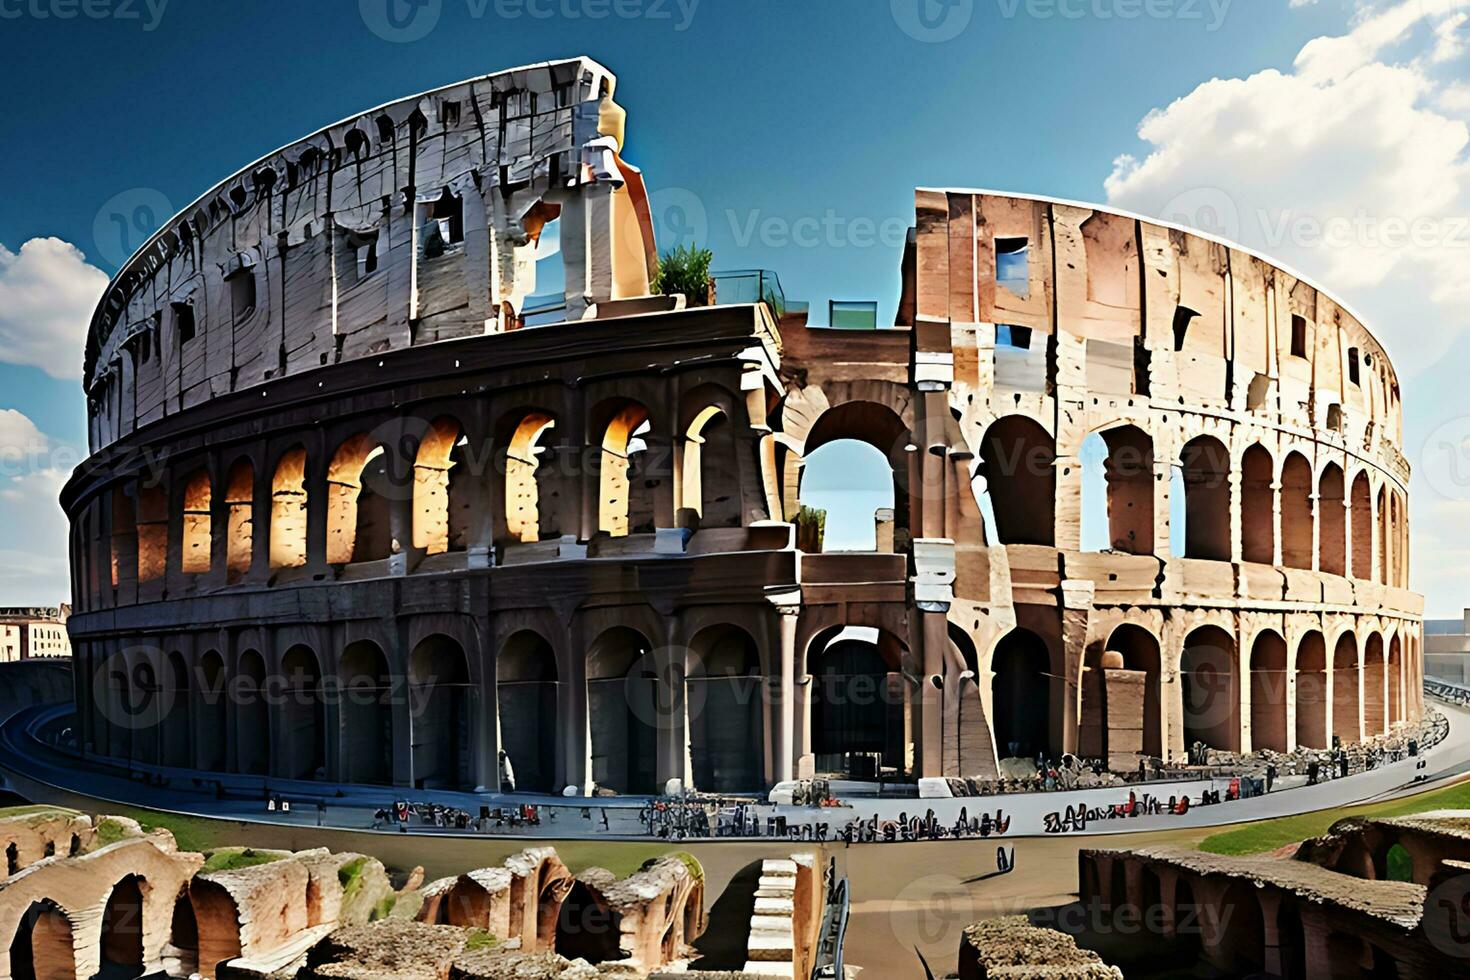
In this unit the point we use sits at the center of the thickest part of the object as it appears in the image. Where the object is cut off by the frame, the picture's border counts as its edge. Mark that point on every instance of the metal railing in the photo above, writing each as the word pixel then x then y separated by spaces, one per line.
pixel 740 286
pixel 827 955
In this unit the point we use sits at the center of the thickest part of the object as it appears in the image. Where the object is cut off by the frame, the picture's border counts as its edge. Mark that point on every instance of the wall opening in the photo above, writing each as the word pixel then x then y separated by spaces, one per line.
pixel 252 716
pixel 121 942
pixel 304 718
pixel 367 714
pixel 1021 695
pixel 288 511
pixel 442 485
pixel 709 471
pixel 1360 512
pixel 625 501
pixel 1345 689
pixel 626 709
pixel 1396 683
pixel 43 947
pixel 441 716
pixel 1375 690
pixel 357 502
pixel 1311 692
pixel 1297 512
pixel 1332 545
pixel 1018 461
pixel 210 700
pixel 526 693
pixel 1258 507
pixel 1210 689
pixel 239 520
pixel 197 538
pixel 1268 693
pixel 529 495
pixel 857 698
pixel 1205 467
pixel 724 710
pixel 851 483
pixel 152 532
pixel 1013 265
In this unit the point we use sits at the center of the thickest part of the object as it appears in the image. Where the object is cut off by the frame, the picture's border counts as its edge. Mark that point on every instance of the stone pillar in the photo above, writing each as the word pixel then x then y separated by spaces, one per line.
pixel 1077 596
pixel 318 494
pixel 402 555
pixel 788 611
pixel 403 734
pixel 935 637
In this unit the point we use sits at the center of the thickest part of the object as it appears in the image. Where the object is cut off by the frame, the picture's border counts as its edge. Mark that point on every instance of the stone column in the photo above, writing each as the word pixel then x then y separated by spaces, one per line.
pixel 576 729
pixel 788 611
pixel 400 705
pixel 935 635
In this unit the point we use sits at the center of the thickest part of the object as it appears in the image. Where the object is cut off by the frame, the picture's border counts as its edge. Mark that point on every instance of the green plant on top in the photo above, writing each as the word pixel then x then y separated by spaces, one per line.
pixel 685 269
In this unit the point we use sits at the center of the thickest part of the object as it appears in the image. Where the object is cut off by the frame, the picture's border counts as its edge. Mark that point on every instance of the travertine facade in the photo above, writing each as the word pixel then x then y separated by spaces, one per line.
pixel 341 497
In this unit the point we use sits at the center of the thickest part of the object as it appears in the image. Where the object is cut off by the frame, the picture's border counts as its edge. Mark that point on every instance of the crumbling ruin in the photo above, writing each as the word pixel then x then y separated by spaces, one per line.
pixel 1148 488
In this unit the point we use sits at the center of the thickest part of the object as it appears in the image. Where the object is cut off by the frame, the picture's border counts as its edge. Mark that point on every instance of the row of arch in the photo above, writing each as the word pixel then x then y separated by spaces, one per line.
pixel 437 494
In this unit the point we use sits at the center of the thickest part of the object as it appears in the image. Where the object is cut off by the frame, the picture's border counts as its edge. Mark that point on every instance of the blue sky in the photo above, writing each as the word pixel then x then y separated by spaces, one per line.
pixel 785 135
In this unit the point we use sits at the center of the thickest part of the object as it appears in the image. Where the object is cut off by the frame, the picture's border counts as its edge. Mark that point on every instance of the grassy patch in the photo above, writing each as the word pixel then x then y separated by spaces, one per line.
pixel 480 939
pixel 41 810
pixel 233 859
pixel 192 833
pixel 110 831
pixel 350 877
pixel 1268 835
pixel 384 908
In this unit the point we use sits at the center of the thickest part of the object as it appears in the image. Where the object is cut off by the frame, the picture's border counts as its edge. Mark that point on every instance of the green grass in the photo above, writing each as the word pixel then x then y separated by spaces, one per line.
pixel 41 810
pixel 110 831
pixel 350 877
pixel 384 908
pixel 1268 835
pixel 480 939
pixel 192 833
pixel 233 859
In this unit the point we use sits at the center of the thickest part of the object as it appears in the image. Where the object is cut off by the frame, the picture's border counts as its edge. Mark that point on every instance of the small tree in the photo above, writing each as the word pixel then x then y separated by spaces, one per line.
pixel 811 528
pixel 685 270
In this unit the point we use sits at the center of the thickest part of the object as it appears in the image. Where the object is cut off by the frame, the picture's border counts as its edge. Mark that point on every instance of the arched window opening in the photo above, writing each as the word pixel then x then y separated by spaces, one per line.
pixel 357 503
pixel 442 485
pixel 1332 547
pixel 625 505
pixel 217 921
pixel 152 532
pixel 724 711
pixel 183 934
pixel 252 716
pixel 441 714
pixel 197 537
pixel 240 520
pixel 1121 714
pixel 1396 682
pixel 1118 491
pixel 1243 945
pixel 847 485
pixel 121 944
pixel 1345 673
pixel 1210 689
pixel 124 537
pixel 367 714
pixel 304 720
pixel 178 729
pixel 529 513
pixel 1268 692
pixel 1018 462
pixel 43 947
pixel 1296 512
pixel 587 928
pixel 1375 689
pixel 210 704
pixel 1361 517
pixel 288 511
pixel 710 472
pixel 526 694
pixel 1258 507
pixel 857 697
pixel 1399 863
pixel 1021 695
pixel 625 710
pixel 1311 692
pixel 1205 468
pixel 1383 543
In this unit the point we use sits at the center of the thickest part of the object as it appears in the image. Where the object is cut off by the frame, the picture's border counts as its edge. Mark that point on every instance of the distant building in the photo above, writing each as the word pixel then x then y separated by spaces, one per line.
pixel 1447 649
pixel 34 632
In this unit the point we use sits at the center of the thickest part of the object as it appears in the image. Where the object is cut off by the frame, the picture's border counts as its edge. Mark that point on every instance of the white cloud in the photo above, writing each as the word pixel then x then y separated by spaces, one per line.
pixel 33 566
pixel 47 295
pixel 1350 167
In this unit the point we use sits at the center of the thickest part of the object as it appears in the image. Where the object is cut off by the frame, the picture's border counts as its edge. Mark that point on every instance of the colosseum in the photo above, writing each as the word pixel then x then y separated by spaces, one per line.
pixel 399 462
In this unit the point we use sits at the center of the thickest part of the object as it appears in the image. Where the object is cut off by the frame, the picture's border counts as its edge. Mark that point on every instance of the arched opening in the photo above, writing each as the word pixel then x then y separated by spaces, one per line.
pixel 178 730
pixel 1121 716
pixel 529 514
pixel 709 484
pixel 152 532
pixel 526 694
pixel 1186 916
pixel 217 924
pixel 288 511
pixel 367 714
pixel 1018 461
pixel 239 520
pixel 1257 506
pixel 441 715
pixel 1361 511
pixel 1375 706
pixel 443 482
pixel 849 480
pixel 121 940
pixel 1383 544
pixel 1210 690
pixel 252 716
pixel 1311 691
pixel 1396 686
pixel 124 541
pixel 1345 689
pixel 183 934
pixel 1268 692
pixel 724 710
pixel 1292 938
pixel 1398 863
pixel 1296 512
pixel 303 716
pixel 626 709
pixel 1332 534
pixel 1021 695
pixel 1241 936
pixel 1205 467
pixel 857 696
pixel 196 539
pixel 43 947
pixel 627 486
pixel 143 708
pixel 357 502
pixel 587 927
pixel 210 701
pixel 1118 491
